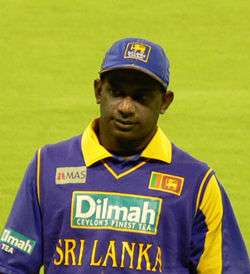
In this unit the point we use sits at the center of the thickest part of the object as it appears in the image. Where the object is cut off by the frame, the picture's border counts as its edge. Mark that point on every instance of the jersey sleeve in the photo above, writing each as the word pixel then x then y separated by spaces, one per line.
pixel 21 238
pixel 217 244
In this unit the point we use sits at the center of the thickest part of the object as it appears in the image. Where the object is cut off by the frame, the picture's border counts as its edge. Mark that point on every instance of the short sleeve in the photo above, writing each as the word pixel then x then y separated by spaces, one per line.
pixel 21 238
pixel 217 244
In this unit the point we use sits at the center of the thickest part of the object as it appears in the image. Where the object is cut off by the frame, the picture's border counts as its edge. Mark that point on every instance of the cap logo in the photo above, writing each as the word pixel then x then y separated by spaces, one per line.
pixel 137 51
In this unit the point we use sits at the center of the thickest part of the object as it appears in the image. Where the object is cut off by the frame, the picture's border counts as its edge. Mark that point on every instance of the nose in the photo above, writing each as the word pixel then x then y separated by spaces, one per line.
pixel 126 106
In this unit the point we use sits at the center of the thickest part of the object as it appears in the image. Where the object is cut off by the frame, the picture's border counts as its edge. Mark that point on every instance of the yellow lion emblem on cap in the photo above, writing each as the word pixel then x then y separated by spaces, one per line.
pixel 138 47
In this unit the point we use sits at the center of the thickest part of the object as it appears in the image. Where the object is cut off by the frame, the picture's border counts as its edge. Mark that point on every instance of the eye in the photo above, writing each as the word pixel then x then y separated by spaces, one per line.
pixel 142 97
pixel 115 92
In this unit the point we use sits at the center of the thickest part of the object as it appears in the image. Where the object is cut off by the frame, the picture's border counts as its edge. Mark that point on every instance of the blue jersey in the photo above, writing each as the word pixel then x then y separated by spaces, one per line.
pixel 82 210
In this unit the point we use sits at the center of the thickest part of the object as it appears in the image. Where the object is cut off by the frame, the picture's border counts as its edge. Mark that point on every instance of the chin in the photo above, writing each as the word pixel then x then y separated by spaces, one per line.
pixel 128 136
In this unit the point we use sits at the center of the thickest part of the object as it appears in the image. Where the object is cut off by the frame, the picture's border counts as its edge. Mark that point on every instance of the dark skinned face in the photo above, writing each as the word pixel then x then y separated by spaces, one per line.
pixel 130 104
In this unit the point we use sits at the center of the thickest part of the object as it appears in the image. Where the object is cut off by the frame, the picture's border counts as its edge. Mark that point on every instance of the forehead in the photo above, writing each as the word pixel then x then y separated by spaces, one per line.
pixel 131 77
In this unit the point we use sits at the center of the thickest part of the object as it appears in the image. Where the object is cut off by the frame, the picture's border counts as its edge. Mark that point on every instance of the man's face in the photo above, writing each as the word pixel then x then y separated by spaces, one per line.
pixel 130 104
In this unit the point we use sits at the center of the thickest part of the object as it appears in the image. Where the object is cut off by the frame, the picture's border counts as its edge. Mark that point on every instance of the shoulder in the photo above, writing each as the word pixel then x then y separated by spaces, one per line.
pixel 194 170
pixel 64 145
pixel 181 157
pixel 63 149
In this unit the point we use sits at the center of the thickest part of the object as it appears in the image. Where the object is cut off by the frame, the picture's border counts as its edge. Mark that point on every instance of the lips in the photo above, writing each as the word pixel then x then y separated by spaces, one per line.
pixel 123 124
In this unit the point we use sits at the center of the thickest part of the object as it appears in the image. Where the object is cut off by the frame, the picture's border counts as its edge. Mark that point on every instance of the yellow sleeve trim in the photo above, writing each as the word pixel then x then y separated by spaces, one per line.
pixel 200 189
pixel 212 208
pixel 38 173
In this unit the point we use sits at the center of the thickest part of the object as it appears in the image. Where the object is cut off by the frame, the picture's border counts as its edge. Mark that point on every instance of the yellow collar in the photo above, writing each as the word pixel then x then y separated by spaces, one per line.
pixel 159 148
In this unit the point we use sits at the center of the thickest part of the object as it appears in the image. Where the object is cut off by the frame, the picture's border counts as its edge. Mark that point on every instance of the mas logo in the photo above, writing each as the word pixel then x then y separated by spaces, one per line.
pixel 11 238
pixel 166 183
pixel 70 175
pixel 115 211
pixel 137 51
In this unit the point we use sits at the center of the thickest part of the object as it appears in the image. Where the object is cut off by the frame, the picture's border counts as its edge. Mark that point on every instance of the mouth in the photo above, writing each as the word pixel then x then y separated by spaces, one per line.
pixel 124 125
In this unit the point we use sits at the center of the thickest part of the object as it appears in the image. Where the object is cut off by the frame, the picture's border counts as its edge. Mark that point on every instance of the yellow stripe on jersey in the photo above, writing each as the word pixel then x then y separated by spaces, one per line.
pixel 201 188
pixel 38 173
pixel 212 208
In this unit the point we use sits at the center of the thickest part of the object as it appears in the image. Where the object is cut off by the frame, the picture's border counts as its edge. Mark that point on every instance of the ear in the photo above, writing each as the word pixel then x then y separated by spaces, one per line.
pixel 98 89
pixel 167 99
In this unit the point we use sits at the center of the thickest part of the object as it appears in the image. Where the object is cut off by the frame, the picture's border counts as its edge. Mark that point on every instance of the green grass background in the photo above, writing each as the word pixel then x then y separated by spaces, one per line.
pixel 50 52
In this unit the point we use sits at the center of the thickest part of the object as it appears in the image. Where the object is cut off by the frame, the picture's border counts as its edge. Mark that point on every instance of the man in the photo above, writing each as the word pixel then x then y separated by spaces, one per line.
pixel 122 198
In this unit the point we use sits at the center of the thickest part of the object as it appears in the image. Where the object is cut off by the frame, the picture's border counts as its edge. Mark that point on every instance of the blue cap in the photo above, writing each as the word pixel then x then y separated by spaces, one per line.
pixel 138 54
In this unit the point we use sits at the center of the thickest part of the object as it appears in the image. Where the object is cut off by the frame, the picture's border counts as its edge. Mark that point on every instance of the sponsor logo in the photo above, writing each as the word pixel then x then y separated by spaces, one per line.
pixel 11 238
pixel 137 51
pixel 115 211
pixel 166 182
pixel 70 175
pixel 7 248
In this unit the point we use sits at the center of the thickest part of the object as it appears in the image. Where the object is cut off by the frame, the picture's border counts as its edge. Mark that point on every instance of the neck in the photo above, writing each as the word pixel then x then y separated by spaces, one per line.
pixel 122 146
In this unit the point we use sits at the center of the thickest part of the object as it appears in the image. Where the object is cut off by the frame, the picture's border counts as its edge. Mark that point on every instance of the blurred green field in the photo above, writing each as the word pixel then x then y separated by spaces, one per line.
pixel 50 52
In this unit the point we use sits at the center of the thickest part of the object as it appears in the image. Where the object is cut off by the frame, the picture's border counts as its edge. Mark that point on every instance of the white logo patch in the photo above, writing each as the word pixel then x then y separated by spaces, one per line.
pixel 71 175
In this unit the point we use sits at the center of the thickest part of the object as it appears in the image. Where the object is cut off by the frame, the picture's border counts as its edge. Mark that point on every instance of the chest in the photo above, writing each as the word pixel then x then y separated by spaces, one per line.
pixel 143 197
pixel 101 213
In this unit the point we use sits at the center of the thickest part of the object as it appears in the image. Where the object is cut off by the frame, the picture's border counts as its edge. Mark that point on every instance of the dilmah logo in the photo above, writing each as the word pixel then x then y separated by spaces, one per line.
pixel 12 239
pixel 115 211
